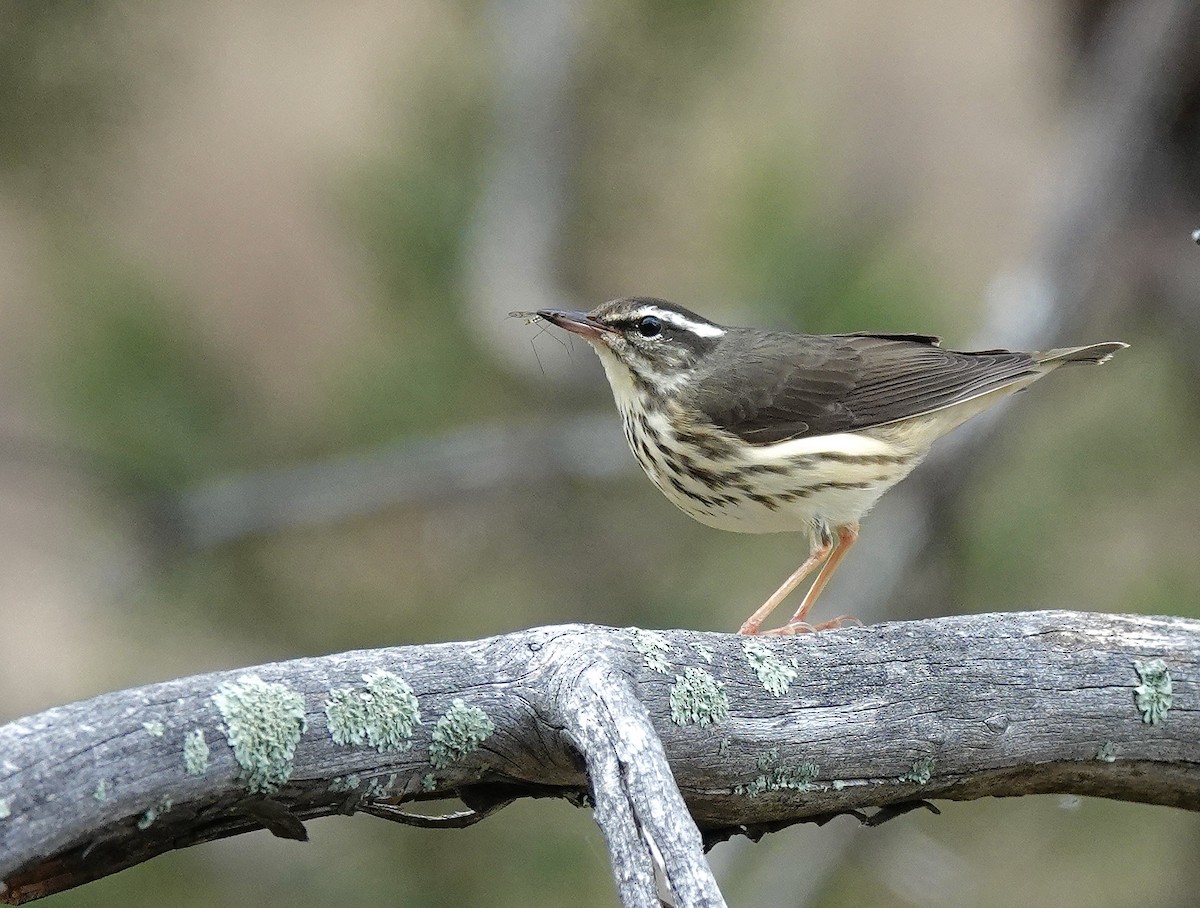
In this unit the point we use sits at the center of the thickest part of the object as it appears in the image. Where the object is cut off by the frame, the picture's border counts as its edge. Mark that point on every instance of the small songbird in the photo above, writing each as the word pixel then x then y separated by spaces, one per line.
pixel 764 431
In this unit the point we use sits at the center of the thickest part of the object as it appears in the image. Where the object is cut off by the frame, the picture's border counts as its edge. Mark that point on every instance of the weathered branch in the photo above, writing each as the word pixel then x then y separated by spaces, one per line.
pixel 760 734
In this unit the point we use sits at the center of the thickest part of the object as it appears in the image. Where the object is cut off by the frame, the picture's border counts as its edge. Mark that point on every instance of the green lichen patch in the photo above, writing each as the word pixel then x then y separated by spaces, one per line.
pixel 458 733
pixel 921 772
pixel 154 728
pixel 697 698
pixel 838 784
pixel 1106 752
pixel 5 809
pixel 264 721
pixel 150 816
pixel 774 776
pixel 1153 696
pixel 704 652
pixel 428 782
pixel 101 791
pixel 382 787
pixel 773 673
pixel 654 648
pixel 195 752
pixel 343 784
pixel 723 748
pixel 382 713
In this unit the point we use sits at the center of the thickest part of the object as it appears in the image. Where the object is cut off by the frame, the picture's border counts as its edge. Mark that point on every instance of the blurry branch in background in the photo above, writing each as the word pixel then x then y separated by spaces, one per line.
pixel 760 734
pixel 1130 88
pixel 419 472
pixel 1130 92
pixel 515 238
pixel 511 253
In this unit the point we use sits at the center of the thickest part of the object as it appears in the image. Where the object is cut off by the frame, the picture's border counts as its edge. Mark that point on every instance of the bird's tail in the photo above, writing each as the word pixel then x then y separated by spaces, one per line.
pixel 1092 353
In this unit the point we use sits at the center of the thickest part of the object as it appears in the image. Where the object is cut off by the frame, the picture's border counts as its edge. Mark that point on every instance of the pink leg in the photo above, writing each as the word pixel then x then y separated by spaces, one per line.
pixel 754 622
pixel 846 537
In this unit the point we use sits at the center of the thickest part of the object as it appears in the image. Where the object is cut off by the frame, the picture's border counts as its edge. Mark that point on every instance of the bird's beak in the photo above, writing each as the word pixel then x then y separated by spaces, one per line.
pixel 577 323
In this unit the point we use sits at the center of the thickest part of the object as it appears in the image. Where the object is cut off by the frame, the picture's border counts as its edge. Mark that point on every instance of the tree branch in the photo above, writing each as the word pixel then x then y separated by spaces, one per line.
pixel 759 734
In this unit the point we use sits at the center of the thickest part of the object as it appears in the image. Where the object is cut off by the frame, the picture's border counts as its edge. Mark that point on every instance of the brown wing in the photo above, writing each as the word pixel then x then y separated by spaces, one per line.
pixel 772 387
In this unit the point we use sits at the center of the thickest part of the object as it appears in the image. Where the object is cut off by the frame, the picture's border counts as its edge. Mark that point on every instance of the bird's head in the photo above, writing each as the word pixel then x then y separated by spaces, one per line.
pixel 649 343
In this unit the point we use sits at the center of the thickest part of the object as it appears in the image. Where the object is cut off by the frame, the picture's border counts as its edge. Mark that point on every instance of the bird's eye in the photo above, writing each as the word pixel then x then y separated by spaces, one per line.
pixel 649 326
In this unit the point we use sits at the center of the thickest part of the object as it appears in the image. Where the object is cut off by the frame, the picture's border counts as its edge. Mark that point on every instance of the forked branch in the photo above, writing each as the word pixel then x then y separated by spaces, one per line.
pixel 759 734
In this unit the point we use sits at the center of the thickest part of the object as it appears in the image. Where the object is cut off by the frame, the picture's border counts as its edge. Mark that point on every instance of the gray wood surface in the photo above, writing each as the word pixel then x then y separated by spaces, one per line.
pixel 759 734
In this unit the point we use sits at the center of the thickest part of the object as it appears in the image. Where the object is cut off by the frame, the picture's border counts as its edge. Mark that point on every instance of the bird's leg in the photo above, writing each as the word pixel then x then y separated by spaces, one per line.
pixel 846 537
pixel 819 554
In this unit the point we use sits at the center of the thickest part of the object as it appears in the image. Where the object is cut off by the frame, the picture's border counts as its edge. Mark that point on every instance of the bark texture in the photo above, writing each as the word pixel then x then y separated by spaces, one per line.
pixel 677 739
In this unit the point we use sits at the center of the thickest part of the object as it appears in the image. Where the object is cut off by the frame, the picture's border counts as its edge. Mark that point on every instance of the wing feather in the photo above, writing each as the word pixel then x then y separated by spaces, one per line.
pixel 774 387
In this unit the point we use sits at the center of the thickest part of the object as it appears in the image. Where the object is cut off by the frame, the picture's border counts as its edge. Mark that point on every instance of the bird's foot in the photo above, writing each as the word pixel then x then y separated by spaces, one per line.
pixel 803 627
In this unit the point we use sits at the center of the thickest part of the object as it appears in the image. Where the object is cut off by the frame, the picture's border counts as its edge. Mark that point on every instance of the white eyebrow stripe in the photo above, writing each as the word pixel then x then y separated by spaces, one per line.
pixel 701 329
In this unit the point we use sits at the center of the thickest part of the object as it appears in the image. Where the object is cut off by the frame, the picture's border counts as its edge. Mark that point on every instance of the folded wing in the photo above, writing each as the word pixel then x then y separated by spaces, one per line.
pixel 773 387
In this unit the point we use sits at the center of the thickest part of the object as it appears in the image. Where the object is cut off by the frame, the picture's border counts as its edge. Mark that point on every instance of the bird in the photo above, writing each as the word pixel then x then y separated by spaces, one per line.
pixel 757 431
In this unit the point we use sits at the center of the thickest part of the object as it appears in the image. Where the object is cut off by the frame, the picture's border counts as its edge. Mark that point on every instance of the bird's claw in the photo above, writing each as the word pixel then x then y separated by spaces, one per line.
pixel 803 627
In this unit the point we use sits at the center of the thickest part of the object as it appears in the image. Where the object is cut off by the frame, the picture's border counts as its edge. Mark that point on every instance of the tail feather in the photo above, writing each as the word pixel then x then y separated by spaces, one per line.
pixel 1091 353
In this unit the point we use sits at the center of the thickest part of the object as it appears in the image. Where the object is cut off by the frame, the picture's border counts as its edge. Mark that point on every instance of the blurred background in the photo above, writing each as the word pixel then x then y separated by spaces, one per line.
pixel 260 397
